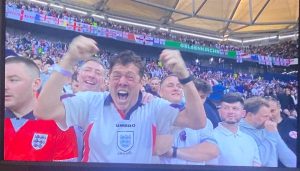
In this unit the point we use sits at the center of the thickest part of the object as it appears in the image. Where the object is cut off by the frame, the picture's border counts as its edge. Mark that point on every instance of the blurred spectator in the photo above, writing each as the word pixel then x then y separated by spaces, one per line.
pixel 286 100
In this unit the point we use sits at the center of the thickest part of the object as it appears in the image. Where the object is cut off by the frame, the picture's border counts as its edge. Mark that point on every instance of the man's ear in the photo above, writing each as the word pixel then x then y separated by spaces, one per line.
pixel 244 113
pixel 159 91
pixel 36 84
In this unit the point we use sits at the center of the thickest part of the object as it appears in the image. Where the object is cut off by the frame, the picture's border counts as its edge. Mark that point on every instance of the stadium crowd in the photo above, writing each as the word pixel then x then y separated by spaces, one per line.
pixel 283 49
pixel 51 51
pixel 186 115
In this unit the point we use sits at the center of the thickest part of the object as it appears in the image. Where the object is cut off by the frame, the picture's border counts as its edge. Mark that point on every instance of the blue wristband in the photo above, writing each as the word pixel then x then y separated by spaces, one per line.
pixel 62 71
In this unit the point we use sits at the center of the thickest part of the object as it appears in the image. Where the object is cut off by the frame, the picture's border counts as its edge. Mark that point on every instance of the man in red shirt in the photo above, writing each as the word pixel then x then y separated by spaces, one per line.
pixel 25 137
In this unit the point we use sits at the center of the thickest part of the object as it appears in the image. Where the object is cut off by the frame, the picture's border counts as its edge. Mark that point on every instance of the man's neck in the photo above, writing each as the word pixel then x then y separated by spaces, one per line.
pixel 250 122
pixel 125 111
pixel 24 110
pixel 231 127
pixel 19 113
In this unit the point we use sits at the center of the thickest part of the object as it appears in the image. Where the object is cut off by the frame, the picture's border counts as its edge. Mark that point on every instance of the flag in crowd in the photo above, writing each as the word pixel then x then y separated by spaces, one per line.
pixel 69 23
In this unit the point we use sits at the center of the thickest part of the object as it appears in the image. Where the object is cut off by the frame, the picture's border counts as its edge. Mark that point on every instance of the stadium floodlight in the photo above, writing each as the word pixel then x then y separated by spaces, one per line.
pixel 196 35
pixel 76 11
pixel 131 23
pixel 259 39
pixel 163 29
pixel 56 6
pixel 39 2
pixel 288 36
pixel 98 16
pixel 235 40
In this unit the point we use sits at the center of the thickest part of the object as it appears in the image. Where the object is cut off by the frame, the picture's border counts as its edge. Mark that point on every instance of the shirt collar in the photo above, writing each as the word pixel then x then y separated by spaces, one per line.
pixel 245 124
pixel 227 132
pixel 180 106
pixel 109 100
pixel 10 114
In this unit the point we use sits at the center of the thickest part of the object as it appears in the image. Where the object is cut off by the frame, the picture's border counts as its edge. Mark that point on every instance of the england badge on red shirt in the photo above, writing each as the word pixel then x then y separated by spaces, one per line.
pixel 39 140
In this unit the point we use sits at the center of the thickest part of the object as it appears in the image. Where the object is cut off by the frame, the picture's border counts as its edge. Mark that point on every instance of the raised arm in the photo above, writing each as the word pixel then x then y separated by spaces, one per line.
pixel 49 105
pixel 193 116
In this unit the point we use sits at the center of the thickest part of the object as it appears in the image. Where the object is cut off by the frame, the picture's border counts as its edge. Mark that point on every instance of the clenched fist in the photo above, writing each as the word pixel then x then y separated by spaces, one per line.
pixel 271 126
pixel 80 48
pixel 172 60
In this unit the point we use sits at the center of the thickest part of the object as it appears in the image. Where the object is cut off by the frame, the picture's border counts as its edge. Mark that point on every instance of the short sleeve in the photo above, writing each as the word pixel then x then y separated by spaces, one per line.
pixel 256 158
pixel 65 146
pixel 79 108
pixel 205 134
pixel 165 115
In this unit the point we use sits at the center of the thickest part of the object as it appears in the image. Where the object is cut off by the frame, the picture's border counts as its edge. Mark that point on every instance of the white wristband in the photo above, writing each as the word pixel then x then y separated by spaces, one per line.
pixel 62 71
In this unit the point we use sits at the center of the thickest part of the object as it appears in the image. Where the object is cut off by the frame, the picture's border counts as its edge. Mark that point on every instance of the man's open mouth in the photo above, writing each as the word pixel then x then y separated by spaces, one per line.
pixel 122 95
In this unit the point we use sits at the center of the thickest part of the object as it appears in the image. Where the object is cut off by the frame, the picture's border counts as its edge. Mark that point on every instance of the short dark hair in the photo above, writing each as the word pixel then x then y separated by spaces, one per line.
pixel 10 53
pixel 274 99
pixel 127 57
pixel 253 104
pixel 90 59
pixel 82 63
pixel 232 98
pixel 154 78
pixel 28 62
pixel 202 85
pixel 167 76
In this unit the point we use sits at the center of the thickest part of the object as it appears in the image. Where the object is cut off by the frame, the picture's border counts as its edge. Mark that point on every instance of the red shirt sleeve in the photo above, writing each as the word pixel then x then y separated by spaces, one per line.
pixel 66 146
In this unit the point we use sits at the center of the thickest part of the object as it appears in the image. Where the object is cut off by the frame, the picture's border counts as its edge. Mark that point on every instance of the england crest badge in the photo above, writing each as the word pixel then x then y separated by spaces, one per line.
pixel 39 140
pixel 125 140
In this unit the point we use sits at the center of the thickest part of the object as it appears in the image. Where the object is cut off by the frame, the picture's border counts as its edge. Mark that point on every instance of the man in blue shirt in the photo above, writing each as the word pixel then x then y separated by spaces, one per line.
pixel 258 125
pixel 236 147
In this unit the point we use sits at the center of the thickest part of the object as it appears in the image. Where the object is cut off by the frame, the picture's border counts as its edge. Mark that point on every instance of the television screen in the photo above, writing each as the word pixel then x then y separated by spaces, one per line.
pixel 149 85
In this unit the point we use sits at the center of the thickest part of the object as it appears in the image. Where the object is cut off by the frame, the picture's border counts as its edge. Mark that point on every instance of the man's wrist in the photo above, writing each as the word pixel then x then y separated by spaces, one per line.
pixel 67 61
pixel 63 71
pixel 186 80
pixel 184 74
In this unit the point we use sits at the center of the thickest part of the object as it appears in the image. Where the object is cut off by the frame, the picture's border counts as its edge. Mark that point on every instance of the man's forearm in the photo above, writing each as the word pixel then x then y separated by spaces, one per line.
pixel 194 106
pixel 285 154
pixel 199 152
pixel 49 105
pixel 163 144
